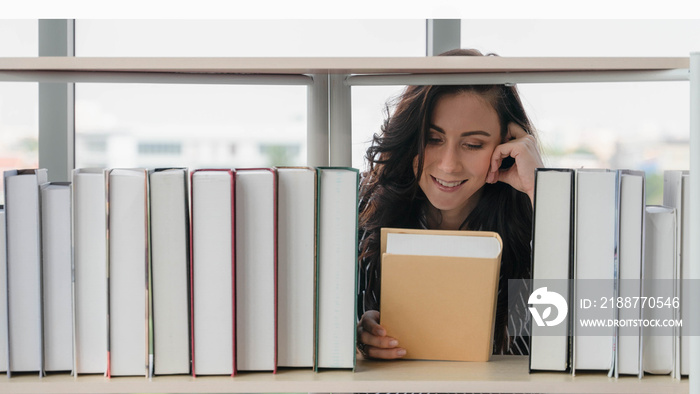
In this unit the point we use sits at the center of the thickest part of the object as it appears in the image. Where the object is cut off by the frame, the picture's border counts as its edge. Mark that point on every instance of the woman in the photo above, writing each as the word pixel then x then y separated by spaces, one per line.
pixel 453 158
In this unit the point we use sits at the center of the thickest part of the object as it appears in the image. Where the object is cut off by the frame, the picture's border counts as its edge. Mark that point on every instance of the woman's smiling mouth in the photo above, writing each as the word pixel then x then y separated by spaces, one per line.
pixel 447 185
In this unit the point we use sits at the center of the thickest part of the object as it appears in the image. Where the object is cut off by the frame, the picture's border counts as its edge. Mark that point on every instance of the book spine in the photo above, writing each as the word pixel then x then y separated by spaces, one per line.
pixel 191 275
pixel 234 365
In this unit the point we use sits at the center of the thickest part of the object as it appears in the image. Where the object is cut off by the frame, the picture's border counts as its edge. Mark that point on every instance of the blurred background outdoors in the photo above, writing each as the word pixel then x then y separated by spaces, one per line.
pixel 642 126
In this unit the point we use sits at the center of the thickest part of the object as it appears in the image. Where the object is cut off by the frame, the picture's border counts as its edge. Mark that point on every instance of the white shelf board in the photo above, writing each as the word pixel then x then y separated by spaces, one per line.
pixel 339 65
pixel 503 374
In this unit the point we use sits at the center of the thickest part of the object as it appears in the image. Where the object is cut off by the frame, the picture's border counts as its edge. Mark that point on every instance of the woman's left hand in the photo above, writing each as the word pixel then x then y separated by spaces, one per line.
pixel 522 147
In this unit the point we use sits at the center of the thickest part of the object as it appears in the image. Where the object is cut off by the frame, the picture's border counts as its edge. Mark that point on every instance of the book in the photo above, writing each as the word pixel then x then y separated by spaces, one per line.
pixel 677 195
pixel 256 269
pixel 128 264
pixel 552 267
pixel 595 265
pixel 439 291
pixel 57 263
pixel 24 291
pixel 336 267
pixel 170 251
pixel 296 264
pixel 90 269
pixel 658 278
pixel 3 293
pixel 631 256
pixel 213 272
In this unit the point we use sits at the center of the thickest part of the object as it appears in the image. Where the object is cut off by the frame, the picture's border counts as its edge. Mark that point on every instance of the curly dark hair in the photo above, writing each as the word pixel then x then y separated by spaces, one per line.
pixel 390 195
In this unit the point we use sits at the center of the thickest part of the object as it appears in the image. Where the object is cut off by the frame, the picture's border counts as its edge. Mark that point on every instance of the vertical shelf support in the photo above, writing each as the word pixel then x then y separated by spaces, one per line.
pixel 694 216
pixel 317 135
pixel 340 121
pixel 57 103
pixel 442 35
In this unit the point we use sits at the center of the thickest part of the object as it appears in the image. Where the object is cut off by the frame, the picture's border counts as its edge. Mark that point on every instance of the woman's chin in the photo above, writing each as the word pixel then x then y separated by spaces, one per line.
pixel 447 206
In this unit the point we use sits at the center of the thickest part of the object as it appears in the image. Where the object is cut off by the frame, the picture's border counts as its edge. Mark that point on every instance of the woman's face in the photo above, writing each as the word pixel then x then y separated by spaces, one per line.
pixel 464 131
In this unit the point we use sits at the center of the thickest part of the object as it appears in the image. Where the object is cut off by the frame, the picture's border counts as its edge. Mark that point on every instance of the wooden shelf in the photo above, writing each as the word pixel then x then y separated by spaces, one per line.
pixel 504 374
pixel 335 65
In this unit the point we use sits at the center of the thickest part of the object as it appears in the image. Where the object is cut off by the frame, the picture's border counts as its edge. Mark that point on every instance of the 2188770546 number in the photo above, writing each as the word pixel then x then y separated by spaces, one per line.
pixel 639 302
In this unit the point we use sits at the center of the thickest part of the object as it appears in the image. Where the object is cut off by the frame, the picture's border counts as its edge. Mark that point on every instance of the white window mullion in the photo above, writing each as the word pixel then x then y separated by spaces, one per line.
pixel 57 103
pixel 317 134
pixel 442 35
pixel 340 114
pixel 694 213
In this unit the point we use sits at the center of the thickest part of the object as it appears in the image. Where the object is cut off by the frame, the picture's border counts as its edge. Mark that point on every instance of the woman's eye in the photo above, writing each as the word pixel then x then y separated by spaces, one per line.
pixel 474 146
pixel 434 140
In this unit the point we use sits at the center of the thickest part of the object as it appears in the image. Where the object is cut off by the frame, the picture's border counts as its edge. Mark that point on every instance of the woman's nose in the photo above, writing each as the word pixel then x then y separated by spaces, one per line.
pixel 450 160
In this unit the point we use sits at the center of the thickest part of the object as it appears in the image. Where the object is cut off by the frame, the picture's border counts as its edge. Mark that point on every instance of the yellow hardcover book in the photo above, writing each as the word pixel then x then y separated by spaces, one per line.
pixel 439 292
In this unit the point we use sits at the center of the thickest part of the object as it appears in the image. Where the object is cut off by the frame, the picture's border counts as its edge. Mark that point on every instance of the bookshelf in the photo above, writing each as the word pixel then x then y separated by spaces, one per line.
pixel 329 81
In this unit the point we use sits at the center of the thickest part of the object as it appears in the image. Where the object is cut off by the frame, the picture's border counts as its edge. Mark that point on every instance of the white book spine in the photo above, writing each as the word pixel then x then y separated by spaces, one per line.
pixel 632 206
pixel 90 270
pixel 336 268
pixel 57 263
pixel 24 270
pixel 3 293
pixel 255 270
pixel 677 195
pixel 685 281
pixel 552 248
pixel 212 272
pixel 596 221
pixel 296 264
pixel 170 262
pixel 128 296
pixel 659 264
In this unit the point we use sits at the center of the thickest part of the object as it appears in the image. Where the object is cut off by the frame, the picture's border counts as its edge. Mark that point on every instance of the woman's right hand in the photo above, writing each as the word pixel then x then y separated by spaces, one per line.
pixel 373 341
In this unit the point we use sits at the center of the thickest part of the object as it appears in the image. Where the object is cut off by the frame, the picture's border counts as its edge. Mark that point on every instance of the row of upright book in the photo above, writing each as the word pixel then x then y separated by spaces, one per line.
pixel 621 265
pixel 166 271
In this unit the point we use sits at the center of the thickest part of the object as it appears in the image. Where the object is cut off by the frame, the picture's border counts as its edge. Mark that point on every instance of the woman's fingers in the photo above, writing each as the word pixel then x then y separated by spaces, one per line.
pixel 515 131
pixel 378 341
pixel 523 148
pixel 525 145
pixel 387 354
pixel 373 340
pixel 370 323
pixel 501 152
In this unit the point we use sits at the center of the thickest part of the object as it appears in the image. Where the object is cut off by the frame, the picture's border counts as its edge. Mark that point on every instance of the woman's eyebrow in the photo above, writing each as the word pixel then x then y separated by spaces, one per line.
pixel 465 134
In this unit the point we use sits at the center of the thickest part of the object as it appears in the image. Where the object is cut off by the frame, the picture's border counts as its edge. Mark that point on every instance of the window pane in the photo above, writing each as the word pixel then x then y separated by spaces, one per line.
pixel 19 37
pixel 234 38
pixel 642 125
pixel 129 125
pixel 19 124
pixel 369 110
pixel 581 37
pixel 245 126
